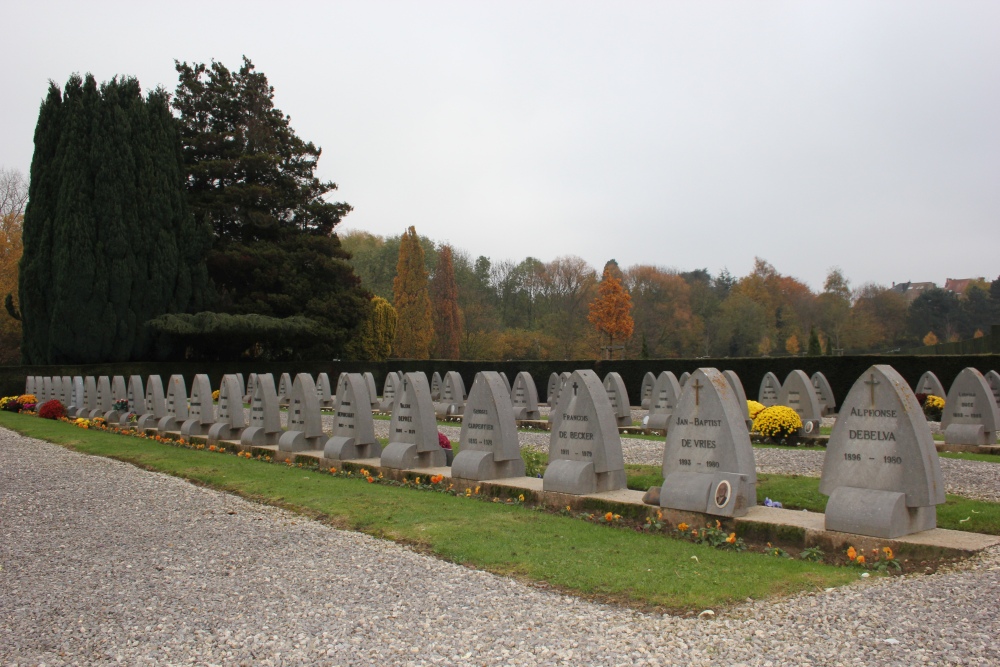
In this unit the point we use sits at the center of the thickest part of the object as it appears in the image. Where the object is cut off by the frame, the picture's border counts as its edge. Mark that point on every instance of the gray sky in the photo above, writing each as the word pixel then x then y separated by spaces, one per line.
pixel 864 135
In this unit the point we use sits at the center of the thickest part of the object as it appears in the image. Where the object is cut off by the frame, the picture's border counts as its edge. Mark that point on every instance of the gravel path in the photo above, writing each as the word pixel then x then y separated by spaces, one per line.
pixel 103 563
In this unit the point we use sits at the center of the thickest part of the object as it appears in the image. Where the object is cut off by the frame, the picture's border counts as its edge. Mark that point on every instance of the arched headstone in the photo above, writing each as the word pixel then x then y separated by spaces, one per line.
pixel 930 385
pixel 136 396
pixel 708 463
pixel 389 390
pixel 372 393
pixel 618 395
pixel 154 405
pixel 770 386
pixel 55 383
pixel 29 385
pixel 90 403
pixel 176 405
pixel 585 450
pixel 993 380
pixel 230 419
pixel 552 390
pixel 452 401
pixel 881 469
pixel 797 393
pixel 666 393
pixel 646 390
pixel 76 401
pixel 67 390
pixel 682 380
pixel 104 397
pixel 489 447
pixel 305 421
pixel 265 414
pixel 241 384
pixel 524 397
pixel 353 434
pixel 413 435
pixel 436 386
pixel 284 389
pixel 44 389
pixel 824 393
pixel 741 396
pixel 201 407
pixel 251 388
pixel 119 392
pixel 970 415
pixel 506 382
pixel 323 391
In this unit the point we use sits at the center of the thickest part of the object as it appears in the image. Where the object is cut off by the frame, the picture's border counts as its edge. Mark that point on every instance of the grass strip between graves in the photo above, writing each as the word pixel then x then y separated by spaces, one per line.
pixel 576 556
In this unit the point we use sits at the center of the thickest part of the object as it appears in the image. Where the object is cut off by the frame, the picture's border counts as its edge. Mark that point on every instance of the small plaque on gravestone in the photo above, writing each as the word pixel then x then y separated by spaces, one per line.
pixel 177 405
pixel 685 376
pixel 708 462
pixel 76 402
pixel 230 419
pixel 436 386
pixel 798 393
pixel 646 391
pixel 353 434
pixel 552 390
pixel 666 393
pixel 618 395
pixel 413 434
pixel 389 390
pixel 305 421
pixel 284 389
pixel 452 401
pixel 970 415
pixel 524 397
pixel 372 394
pixel 585 450
pixel 489 447
pixel 824 393
pixel 323 391
pixel 154 405
pixel 993 380
pixel 201 407
pixel 881 469
pixel 769 389
pixel 251 388
pixel 741 396
pixel 265 415
pixel 930 385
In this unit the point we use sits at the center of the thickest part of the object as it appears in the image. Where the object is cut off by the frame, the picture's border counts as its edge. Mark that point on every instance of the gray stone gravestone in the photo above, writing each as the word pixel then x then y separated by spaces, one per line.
pixel 452 401
pixel 284 389
pixel 251 388
pixel 881 469
pixel 89 397
pixel 993 380
pixel 413 434
pixel 666 393
pixel 242 386
pixel 389 390
pixel 769 389
pixel 48 391
pixel 76 402
pixel 119 392
pixel 506 382
pixel 708 463
pixel 741 396
pixel 372 394
pixel 824 393
pixel 970 415
pixel 136 396
pixel 39 389
pixel 67 390
pixel 489 447
pixel 930 385
pixel 305 421
pixel 353 435
pixel 29 385
pixel 524 397
pixel 324 392
pixel 797 393
pixel 618 395
pixel 265 415
pixel 552 390
pixel 436 386
pixel 103 397
pixel 646 390
pixel 155 405
pixel 585 450
pixel 682 380
pixel 201 407
pixel 230 419
pixel 176 405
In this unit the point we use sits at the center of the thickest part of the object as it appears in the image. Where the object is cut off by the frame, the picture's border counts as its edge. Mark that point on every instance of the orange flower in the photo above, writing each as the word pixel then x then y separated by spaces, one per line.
pixel 732 538
pixel 211 448
pixel 364 473
pixel 436 479
pixel 861 560
pixel 370 479
pixel 888 553
pixel 851 553
pixel 718 524
pixel 609 516
pixel 417 481
pixel 333 471
pixel 682 527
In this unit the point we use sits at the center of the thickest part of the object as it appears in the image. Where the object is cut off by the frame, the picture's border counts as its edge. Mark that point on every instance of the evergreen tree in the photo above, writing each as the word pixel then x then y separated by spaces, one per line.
pixel 415 330
pixel 108 240
pixel 814 348
pixel 444 295
pixel 610 311
pixel 374 342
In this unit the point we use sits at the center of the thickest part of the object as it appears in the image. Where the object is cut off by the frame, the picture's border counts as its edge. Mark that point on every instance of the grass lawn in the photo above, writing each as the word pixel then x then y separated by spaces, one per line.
pixel 616 564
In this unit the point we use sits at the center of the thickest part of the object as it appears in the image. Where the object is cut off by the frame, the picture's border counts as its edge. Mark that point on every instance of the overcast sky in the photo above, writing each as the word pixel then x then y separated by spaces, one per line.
pixel 864 135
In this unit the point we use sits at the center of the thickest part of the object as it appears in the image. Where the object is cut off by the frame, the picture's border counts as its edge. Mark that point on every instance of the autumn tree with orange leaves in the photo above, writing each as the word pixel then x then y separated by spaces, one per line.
pixel 444 296
pixel 415 328
pixel 610 312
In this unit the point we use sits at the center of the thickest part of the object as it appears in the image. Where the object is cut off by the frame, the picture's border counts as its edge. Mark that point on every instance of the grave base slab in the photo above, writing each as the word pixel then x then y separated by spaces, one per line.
pixel 479 465
pixel 876 513
pixel 340 449
pixel 718 494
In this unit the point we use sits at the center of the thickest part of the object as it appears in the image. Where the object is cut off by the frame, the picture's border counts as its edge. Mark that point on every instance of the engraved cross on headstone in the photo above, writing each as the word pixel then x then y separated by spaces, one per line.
pixel 697 391
pixel 871 383
pixel 575 385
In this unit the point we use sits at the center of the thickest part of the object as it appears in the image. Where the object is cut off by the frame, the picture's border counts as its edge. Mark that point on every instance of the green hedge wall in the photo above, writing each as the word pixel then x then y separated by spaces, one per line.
pixel 840 371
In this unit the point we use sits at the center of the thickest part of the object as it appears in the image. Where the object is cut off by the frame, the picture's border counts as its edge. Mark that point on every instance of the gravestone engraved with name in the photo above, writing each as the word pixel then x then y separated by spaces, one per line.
pixel 552 390
pixel 242 385
pixel 708 463
pixel 666 393
pixel 136 396
pixel 769 389
pixel 682 380
pixel 585 450
pixel 29 385
pixel 154 404
pixel 176 405
pixel 284 389
pixel 930 385
pixel 230 419
pixel 265 414
pixel 103 397
pixel 452 401
pixel 76 401
pixel 798 393
pixel 48 391
pixel 389 390
pixel 67 388
pixel 353 434
pixel 993 380
pixel 646 390
pixel 201 407
pixel 741 396
pixel 436 386
pixel 824 393
pixel 251 388
pixel 305 420
pixel 118 392
pixel 618 395
pixel 39 388
pixel 89 397
pixel 970 415
pixel 489 447
pixel 413 434
pixel 881 469
pixel 524 397
pixel 323 391
pixel 372 393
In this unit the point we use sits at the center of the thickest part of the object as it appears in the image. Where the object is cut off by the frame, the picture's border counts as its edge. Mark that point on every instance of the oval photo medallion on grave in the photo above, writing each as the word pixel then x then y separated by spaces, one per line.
pixel 722 493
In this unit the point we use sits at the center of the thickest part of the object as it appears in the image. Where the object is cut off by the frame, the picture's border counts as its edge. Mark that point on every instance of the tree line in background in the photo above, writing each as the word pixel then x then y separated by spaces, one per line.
pixel 566 309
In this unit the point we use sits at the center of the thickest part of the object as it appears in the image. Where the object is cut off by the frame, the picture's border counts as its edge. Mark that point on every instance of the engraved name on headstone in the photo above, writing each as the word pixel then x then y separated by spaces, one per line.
pixel 663 401
pixel 89 397
pixel 201 407
pixel 104 398
pixel 618 395
pixel 353 435
pixel 323 391
pixel 824 393
pixel 305 420
pixel 489 447
pixel 452 401
pixel 177 405
pixel 435 386
pixel 798 393
pixel 993 380
pixel 769 389
pixel 265 414
pixel 413 435
pixel 930 385
pixel 389 390
pixel 284 389
pixel 524 397
pixel 251 388
pixel 136 395
pixel 552 390
pixel 154 404
pixel 76 402
pixel 230 420
pixel 646 390
pixel 970 415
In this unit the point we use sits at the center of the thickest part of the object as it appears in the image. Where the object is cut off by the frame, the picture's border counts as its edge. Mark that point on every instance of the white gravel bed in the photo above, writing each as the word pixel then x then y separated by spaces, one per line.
pixel 104 563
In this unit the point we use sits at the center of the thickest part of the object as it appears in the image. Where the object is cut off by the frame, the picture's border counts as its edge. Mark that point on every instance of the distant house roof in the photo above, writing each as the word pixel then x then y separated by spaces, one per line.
pixel 912 290
pixel 959 285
